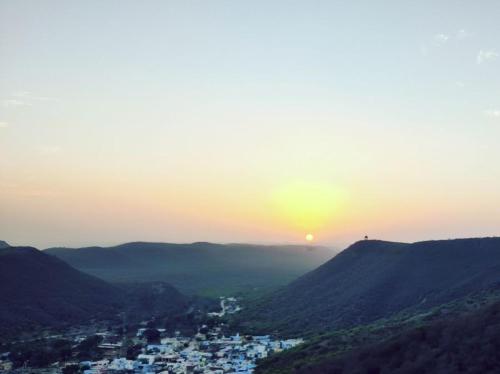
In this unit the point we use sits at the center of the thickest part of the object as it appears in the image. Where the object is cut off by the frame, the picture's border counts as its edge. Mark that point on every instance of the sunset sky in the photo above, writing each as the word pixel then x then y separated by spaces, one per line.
pixel 248 121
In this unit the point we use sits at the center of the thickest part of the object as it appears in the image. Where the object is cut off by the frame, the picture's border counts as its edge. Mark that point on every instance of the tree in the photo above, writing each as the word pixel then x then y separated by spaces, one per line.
pixel 88 349
pixel 152 335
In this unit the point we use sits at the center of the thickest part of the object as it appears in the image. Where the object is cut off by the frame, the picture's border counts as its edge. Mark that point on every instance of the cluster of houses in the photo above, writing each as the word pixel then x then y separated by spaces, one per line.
pixel 207 352
pixel 5 363
pixel 200 354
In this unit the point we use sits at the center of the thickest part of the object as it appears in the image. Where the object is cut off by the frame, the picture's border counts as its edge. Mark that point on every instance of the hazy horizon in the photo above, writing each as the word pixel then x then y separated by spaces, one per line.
pixel 335 247
pixel 256 122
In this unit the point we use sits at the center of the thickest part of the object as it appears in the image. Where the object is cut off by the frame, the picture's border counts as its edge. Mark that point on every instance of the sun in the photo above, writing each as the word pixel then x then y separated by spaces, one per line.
pixel 309 237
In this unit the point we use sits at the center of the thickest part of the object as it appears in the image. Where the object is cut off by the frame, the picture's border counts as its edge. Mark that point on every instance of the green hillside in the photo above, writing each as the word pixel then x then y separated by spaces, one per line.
pixel 320 351
pixel 376 279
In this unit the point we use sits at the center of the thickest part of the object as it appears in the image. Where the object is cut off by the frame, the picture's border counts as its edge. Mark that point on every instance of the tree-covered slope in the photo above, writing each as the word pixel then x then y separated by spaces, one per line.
pixel 327 347
pixel 464 344
pixel 40 290
pixel 375 279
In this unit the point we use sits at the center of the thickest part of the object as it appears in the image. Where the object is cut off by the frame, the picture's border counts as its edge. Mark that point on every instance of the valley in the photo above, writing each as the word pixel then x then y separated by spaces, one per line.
pixel 355 307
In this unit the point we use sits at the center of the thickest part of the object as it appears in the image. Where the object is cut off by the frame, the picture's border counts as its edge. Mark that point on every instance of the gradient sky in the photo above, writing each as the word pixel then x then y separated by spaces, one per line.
pixel 255 121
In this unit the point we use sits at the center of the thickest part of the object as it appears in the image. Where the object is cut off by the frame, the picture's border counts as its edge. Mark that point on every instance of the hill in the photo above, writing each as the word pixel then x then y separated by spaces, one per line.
pixel 376 279
pixel 467 344
pixel 4 244
pixel 206 268
pixel 39 290
pixel 462 336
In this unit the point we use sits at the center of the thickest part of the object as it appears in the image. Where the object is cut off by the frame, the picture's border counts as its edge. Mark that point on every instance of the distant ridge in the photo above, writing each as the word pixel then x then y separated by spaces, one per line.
pixel 197 267
pixel 4 244
pixel 374 279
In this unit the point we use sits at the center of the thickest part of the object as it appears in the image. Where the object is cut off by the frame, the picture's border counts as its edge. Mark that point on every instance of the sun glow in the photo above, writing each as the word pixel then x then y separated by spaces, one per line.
pixel 308 207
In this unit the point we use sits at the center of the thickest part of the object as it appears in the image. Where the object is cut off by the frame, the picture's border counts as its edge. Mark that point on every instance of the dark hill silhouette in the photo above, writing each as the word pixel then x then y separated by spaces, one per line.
pixel 4 244
pixel 466 344
pixel 40 290
pixel 460 336
pixel 198 266
pixel 375 279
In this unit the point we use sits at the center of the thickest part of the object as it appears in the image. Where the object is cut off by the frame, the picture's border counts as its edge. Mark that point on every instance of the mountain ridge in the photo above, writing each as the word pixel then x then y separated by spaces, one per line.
pixel 374 279
pixel 199 266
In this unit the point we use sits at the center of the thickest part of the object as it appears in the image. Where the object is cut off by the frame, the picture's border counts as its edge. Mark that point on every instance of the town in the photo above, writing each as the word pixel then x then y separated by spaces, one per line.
pixel 154 351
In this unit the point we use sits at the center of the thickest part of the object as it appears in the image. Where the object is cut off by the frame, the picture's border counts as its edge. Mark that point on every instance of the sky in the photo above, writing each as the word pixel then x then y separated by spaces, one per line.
pixel 248 121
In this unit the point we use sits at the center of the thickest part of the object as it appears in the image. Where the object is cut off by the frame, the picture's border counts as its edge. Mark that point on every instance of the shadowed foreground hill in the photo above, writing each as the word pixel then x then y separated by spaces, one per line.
pixel 376 279
pixel 449 339
pixel 39 290
pixel 197 267
pixel 461 345
pixel 36 288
